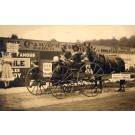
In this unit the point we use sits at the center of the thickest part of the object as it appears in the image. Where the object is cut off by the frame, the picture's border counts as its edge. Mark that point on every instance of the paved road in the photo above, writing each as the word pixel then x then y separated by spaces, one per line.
pixel 20 99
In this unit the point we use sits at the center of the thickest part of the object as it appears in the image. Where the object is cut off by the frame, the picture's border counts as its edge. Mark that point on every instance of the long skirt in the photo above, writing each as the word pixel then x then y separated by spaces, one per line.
pixel 7 74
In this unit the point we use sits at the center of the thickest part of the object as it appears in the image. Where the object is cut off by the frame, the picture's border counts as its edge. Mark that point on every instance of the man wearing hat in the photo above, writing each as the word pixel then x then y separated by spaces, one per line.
pixel 77 58
pixel 77 55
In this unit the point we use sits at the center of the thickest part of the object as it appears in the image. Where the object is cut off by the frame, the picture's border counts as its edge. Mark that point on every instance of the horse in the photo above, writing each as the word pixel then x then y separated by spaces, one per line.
pixel 109 64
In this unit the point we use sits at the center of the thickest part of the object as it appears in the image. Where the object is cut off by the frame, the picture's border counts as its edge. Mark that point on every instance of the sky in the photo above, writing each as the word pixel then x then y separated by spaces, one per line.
pixel 67 33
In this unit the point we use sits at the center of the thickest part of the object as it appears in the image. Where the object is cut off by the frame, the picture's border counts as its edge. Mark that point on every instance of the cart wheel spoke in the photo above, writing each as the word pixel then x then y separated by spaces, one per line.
pixel 87 83
pixel 35 81
pixel 89 90
pixel 59 81
pixel 58 92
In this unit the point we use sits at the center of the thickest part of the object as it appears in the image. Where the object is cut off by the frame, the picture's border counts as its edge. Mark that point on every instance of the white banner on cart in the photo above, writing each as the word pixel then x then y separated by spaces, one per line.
pixel 47 69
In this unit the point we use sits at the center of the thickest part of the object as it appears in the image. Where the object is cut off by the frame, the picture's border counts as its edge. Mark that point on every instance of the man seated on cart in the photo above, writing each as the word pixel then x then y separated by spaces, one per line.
pixel 71 59
pixel 76 61
pixel 63 60
pixel 65 55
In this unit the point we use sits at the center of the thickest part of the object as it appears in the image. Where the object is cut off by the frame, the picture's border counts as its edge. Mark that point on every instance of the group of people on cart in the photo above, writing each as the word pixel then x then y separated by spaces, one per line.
pixel 69 58
pixel 77 56
pixel 72 60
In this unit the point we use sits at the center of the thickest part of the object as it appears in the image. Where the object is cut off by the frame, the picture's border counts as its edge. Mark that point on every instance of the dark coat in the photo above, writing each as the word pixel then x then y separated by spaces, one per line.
pixel 67 54
pixel 77 57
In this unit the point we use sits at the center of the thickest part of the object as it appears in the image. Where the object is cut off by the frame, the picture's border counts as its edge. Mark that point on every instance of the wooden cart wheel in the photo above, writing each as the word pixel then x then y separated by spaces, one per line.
pixel 60 76
pixel 35 82
pixel 85 81
pixel 96 70
pixel 89 89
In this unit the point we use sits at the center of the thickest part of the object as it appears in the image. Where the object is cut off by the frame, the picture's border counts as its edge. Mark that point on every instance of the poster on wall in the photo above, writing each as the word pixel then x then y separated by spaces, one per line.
pixel 47 69
pixel 21 63
pixel 12 47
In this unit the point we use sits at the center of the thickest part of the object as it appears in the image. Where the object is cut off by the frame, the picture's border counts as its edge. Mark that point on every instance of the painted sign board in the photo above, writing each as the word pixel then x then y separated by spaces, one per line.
pixel 121 76
pixel 21 63
pixel 47 69
pixel 12 47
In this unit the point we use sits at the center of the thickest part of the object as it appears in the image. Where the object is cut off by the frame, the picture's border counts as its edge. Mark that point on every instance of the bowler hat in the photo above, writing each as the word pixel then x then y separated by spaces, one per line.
pixel 75 46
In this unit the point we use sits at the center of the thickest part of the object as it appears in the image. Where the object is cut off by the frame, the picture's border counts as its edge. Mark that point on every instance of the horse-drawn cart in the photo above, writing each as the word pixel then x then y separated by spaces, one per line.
pixel 64 79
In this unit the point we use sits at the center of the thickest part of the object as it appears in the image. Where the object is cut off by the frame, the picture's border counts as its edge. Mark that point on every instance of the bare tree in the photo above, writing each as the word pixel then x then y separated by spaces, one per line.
pixel 14 36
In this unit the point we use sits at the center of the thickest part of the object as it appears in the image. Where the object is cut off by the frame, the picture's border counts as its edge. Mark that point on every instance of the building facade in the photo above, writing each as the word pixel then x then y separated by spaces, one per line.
pixel 44 51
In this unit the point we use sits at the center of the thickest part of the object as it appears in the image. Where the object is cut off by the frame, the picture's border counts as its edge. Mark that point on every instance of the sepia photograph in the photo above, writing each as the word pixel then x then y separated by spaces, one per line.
pixel 67 67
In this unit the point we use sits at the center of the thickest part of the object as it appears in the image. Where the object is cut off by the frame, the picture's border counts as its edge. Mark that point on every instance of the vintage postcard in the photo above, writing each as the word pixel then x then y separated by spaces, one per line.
pixel 67 67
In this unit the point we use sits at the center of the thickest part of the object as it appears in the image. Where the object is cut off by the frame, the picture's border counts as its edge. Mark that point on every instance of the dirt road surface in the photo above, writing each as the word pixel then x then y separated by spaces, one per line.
pixel 20 99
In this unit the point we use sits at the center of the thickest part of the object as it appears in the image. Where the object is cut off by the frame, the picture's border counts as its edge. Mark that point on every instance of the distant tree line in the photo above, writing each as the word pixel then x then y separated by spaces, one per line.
pixel 122 42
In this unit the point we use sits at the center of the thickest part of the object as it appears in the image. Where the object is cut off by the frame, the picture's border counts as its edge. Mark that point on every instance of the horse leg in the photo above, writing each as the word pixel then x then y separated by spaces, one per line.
pixel 100 84
pixel 95 86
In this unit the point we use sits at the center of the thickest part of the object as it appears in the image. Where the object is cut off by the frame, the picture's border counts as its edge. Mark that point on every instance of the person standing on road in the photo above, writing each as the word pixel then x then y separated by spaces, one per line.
pixel 99 79
pixel 34 72
pixel 7 74
pixel 122 84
